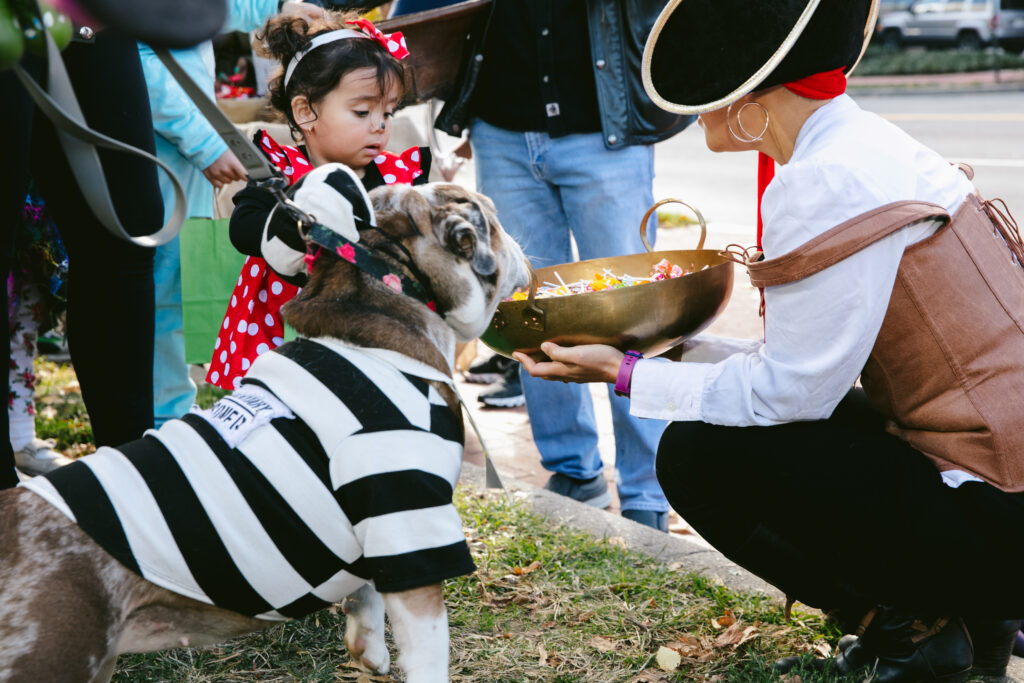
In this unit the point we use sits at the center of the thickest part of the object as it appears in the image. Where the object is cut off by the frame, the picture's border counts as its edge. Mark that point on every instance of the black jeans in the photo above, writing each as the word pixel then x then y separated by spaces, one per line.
pixel 110 281
pixel 869 509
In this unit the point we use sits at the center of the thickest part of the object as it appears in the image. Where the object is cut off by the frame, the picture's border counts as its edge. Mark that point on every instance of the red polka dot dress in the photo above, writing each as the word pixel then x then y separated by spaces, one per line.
pixel 253 324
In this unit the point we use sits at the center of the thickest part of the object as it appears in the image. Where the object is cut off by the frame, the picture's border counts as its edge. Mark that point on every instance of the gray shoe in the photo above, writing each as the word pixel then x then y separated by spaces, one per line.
pixel 38 457
pixel 507 392
pixel 655 520
pixel 590 491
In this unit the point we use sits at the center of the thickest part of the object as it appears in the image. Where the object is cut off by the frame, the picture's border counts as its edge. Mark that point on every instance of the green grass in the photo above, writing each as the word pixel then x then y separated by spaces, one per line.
pixel 546 604
pixel 881 62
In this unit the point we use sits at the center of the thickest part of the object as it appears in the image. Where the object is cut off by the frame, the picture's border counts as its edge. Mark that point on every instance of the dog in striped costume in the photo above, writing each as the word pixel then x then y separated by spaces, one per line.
pixel 328 473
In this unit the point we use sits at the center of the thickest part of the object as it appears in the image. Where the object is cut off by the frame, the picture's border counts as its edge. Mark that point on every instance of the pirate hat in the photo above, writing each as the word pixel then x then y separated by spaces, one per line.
pixel 705 54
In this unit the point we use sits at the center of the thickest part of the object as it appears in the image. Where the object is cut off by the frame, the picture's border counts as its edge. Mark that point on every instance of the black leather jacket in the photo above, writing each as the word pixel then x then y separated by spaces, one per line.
pixel 618 31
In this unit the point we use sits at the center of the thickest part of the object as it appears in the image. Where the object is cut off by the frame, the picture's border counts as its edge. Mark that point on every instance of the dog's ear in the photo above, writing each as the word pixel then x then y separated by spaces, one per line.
pixel 466 233
pixel 391 201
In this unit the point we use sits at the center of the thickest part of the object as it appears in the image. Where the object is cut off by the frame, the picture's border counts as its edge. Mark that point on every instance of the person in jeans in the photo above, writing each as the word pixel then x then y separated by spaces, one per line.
pixel 562 135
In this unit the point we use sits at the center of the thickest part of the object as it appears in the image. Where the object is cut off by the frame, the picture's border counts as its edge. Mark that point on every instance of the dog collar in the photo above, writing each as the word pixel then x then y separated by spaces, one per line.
pixel 369 262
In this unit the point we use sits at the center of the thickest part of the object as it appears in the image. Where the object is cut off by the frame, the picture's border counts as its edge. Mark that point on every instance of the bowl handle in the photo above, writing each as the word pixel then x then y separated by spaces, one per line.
pixel 700 218
pixel 533 315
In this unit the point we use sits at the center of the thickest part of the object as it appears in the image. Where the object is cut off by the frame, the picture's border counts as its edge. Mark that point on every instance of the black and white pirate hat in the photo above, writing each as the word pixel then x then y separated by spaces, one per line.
pixel 705 54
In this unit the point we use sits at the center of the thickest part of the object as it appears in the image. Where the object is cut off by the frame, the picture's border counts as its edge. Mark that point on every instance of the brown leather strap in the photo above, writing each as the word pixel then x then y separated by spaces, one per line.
pixel 841 241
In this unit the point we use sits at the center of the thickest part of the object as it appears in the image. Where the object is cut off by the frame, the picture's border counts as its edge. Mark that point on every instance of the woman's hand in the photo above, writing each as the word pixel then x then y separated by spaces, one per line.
pixel 585 363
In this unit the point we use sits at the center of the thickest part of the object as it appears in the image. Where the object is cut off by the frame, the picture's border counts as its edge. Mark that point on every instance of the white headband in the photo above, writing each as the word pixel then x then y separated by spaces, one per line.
pixel 322 39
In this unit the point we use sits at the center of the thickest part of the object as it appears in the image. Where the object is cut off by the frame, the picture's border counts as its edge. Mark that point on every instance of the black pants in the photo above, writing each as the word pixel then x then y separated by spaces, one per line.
pixel 871 511
pixel 110 287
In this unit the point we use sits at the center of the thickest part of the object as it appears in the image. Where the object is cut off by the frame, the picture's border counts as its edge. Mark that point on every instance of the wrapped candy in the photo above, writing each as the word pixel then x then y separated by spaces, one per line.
pixel 663 270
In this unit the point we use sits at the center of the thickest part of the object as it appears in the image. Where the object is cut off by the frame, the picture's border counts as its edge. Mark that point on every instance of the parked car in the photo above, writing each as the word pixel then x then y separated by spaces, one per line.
pixel 965 24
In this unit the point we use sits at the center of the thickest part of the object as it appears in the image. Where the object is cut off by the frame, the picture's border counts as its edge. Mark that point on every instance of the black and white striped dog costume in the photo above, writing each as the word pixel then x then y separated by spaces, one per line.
pixel 331 466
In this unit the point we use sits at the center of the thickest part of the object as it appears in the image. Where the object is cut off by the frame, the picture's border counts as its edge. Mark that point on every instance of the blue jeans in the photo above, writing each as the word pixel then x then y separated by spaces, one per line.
pixel 173 388
pixel 546 190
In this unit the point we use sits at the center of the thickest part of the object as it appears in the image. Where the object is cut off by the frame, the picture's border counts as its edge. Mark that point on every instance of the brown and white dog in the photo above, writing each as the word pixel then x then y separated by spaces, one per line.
pixel 68 607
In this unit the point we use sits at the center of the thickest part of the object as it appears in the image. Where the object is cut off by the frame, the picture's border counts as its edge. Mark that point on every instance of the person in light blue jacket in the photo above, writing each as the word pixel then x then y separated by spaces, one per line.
pixel 187 143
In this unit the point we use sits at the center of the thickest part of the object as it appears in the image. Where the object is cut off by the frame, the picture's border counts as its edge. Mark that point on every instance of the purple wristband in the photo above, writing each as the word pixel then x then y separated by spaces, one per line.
pixel 626 372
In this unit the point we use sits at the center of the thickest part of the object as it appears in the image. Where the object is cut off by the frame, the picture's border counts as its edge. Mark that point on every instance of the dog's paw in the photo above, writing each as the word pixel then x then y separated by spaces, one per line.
pixel 366 643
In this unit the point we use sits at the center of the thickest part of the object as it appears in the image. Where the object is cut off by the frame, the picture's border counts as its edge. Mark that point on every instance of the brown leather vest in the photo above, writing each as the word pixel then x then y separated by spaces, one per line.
pixel 947 368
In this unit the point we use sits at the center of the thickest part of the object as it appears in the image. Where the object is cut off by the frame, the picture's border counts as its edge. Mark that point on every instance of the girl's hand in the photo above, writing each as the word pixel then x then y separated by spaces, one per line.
pixel 226 168
pixel 585 363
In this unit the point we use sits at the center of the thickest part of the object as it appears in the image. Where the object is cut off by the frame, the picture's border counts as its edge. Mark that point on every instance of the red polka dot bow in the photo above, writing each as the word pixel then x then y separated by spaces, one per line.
pixel 394 43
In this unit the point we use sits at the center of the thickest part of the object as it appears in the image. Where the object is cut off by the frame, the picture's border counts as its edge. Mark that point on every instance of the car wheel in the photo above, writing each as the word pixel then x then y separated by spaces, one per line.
pixel 892 39
pixel 968 41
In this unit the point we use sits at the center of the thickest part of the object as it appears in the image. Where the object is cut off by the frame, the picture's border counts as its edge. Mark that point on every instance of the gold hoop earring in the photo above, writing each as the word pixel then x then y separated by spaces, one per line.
pixel 739 120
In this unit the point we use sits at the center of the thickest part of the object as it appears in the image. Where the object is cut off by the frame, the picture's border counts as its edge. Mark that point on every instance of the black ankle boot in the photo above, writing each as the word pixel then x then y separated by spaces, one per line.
pixel 993 644
pixel 801 575
pixel 902 648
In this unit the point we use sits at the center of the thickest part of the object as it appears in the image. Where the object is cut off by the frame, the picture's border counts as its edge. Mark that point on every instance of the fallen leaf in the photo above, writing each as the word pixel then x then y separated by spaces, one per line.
pixel 790 678
pixel 585 616
pixel 668 659
pixel 689 646
pixel 823 648
pixel 603 644
pixel 736 635
pixel 617 541
pixel 724 621
pixel 543 654
pixel 650 676
pixel 652 603
pixel 532 566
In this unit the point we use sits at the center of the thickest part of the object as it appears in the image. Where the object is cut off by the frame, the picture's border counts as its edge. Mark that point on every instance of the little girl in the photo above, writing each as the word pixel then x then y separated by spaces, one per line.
pixel 338 89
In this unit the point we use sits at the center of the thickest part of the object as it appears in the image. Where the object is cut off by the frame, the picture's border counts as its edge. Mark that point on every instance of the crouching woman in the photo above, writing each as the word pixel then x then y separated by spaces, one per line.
pixel 899 507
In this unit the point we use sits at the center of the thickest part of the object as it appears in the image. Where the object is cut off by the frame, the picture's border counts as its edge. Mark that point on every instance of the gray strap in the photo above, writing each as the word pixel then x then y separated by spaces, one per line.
pixel 256 165
pixel 59 104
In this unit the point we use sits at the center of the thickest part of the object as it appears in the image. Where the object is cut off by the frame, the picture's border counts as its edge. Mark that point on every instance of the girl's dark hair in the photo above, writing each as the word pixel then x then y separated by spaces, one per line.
pixel 321 70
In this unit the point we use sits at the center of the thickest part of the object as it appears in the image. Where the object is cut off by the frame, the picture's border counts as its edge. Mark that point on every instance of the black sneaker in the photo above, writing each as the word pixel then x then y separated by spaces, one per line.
pixel 590 491
pixel 490 370
pixel 507 392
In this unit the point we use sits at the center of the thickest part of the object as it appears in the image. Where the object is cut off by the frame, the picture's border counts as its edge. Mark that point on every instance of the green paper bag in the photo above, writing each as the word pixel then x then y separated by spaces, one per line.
pixel 210 266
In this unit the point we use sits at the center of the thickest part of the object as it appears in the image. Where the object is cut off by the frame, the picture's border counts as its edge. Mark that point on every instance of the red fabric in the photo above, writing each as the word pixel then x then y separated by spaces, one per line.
pixel 394 43
pixel 820 86
pixel 765 173
pixel 253 324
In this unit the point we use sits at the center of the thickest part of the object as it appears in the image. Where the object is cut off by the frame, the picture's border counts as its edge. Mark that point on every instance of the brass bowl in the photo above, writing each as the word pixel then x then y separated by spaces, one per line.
pixel 650 318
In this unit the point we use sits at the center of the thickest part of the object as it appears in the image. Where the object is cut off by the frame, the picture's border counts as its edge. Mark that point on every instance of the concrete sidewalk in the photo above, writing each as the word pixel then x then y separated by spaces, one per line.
pixel 972 81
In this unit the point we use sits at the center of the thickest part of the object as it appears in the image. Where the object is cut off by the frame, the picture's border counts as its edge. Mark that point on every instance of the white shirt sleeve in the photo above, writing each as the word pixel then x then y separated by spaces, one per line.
pixel 819 331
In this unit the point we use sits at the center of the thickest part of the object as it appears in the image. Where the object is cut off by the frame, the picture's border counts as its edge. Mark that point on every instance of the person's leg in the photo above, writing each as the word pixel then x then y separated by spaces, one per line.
pixel 508 171
pixel 862 517
pixel 31 454
pixel 110 290
pixel 173 388
pixel 16 119
pixel 605 194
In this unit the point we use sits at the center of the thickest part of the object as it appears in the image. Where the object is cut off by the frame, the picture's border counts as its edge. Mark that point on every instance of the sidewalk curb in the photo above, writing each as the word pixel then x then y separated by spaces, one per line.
pixel 668 548
pixel 601 524
pixel 872 90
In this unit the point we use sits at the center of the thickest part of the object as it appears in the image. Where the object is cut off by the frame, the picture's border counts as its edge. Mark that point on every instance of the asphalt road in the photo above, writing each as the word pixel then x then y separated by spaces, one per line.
pixel 985 130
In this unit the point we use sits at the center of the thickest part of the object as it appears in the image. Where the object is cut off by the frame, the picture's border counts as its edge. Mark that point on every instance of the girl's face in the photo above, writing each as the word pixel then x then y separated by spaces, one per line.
pixel 352 123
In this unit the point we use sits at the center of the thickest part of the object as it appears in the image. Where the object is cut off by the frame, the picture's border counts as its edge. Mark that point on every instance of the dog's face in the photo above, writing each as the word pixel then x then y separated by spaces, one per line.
pixel 470 260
